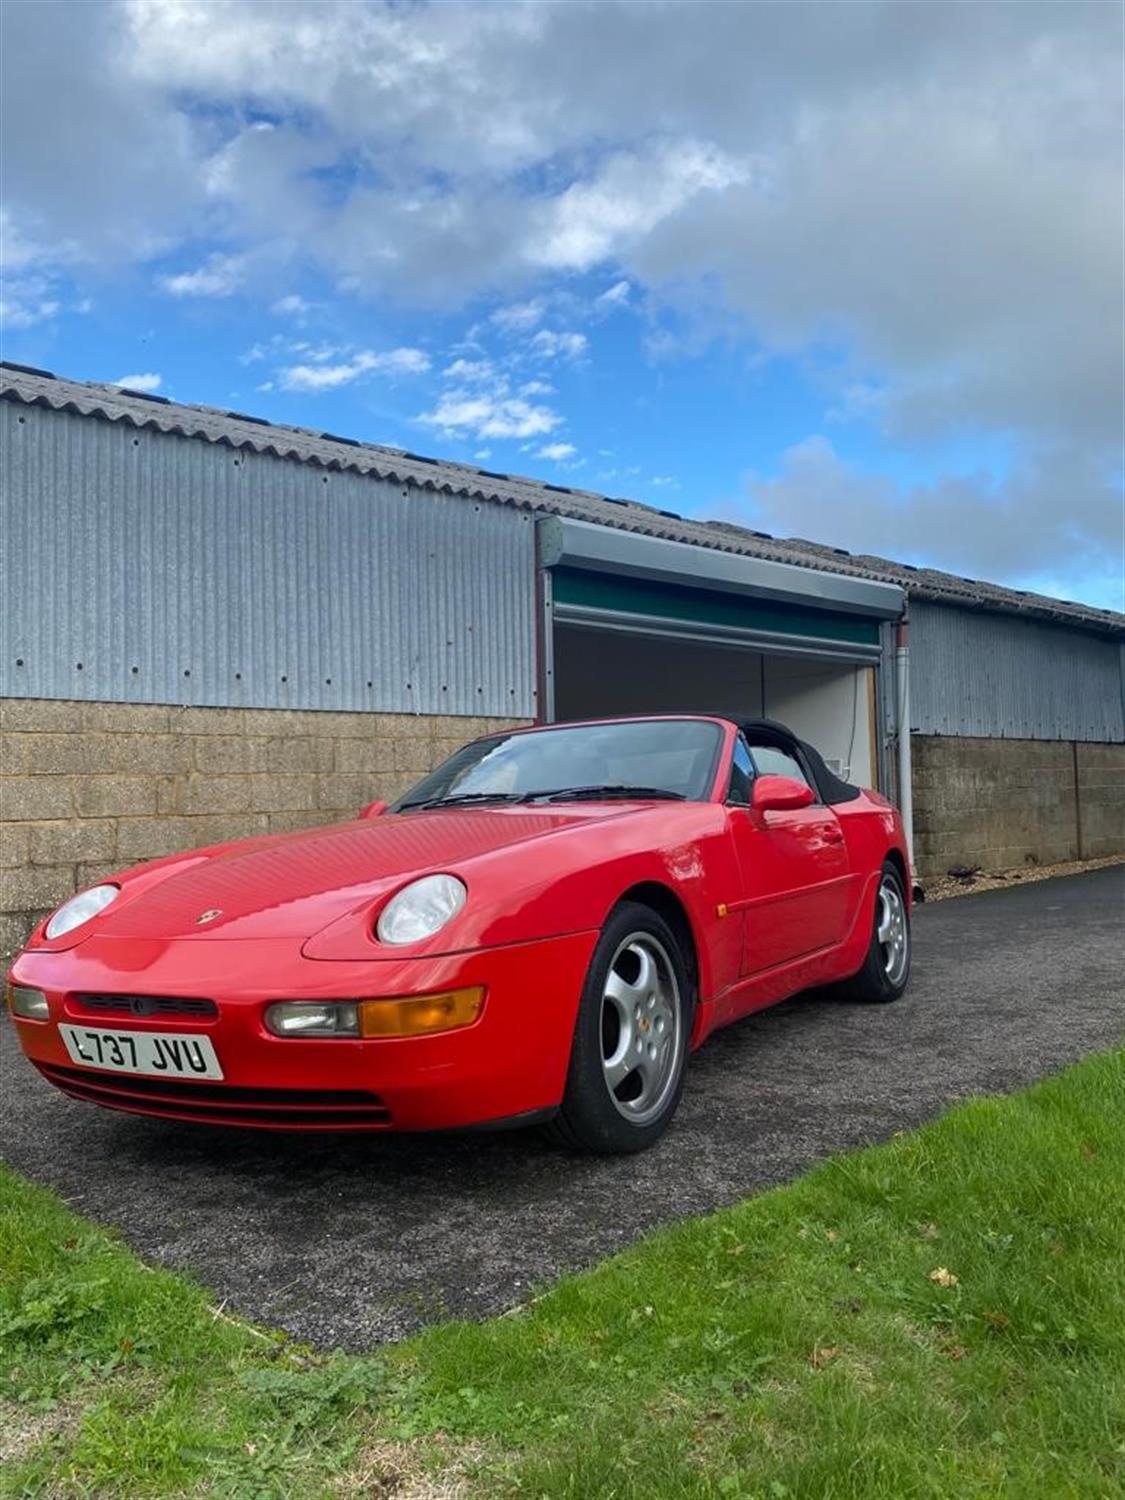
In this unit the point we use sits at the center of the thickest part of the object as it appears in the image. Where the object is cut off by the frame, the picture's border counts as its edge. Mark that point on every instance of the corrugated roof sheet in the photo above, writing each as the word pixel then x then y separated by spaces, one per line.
pixel 303 445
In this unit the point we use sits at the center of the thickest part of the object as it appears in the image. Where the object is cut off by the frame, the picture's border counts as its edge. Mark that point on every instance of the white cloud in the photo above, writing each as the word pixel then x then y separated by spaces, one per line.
pixel 318 377
pixel 149 381
pixel 548 344
pixel 932 193
pixel 616 296
pixel 556 452
pixel 519 317
pixel 976 525
pixel 482 453
pixel 291 306
pixel 20 250
pixel 810 181
pixel 31 274
pixel 469 369
pixel 218 276
pixel 537 388
pixel 634 192
pixel 489 415
pixel 664 481
pixel 326 377
pixel 24 302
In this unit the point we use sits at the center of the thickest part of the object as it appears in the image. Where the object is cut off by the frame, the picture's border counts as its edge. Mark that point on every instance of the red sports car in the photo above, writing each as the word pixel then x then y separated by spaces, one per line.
pixel 541 931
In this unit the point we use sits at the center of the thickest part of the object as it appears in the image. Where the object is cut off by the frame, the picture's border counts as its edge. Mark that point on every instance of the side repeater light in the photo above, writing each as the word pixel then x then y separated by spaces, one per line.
pixel 415 1015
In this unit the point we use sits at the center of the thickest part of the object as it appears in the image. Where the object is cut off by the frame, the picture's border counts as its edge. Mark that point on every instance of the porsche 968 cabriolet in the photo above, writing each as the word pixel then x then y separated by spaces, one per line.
pixel 542 931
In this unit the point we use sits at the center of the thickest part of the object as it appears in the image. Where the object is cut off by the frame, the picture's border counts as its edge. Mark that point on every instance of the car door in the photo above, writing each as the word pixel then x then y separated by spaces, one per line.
pixel 794 866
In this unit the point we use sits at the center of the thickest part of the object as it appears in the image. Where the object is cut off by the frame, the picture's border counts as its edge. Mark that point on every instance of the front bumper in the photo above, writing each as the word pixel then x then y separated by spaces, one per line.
pixel 511 1062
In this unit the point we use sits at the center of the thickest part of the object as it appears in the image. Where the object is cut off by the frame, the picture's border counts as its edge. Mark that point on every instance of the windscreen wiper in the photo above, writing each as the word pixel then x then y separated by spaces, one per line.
pixel 559 794
pixel 465 799
pixel 610 789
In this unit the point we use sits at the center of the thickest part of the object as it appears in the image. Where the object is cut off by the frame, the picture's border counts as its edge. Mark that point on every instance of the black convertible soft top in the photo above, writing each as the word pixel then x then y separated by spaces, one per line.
pixel 830 788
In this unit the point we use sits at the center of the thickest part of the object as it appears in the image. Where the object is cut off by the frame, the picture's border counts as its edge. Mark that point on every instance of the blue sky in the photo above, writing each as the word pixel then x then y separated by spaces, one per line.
pixel 852 273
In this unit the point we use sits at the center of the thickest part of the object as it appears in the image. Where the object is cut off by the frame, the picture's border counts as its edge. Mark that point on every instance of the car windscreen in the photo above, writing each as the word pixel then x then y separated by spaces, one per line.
pixel 676 757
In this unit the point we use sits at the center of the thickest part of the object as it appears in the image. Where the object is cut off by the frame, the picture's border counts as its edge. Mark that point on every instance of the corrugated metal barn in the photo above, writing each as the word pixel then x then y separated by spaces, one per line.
pixel 217 625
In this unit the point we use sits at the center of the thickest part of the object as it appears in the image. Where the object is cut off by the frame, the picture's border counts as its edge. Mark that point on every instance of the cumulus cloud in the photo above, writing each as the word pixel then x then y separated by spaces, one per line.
pixel 920 203
pixel 115 175
pixel 327 377
pixel 489 415
pixel 149 381
pixel 291 306
pixel 615 296
pixel 519 317
pixel 633 192
pixel 547 344
pixel 1058 512
pixel 31 273
pixel 937 191
pixel 25 301
pixel 557 452
pixel 218 276
pixel 469 369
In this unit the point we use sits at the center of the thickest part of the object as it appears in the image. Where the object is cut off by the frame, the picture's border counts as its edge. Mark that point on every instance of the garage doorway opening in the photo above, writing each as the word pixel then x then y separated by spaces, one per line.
pixel 600 672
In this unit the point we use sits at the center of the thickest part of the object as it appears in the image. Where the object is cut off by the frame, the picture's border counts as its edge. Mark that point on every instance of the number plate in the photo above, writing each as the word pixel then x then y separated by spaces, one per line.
pixel 158 1054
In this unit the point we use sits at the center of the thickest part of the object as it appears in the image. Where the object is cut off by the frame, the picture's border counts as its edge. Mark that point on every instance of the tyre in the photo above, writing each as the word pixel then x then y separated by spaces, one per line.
pixel 630 1039
pixel 886 969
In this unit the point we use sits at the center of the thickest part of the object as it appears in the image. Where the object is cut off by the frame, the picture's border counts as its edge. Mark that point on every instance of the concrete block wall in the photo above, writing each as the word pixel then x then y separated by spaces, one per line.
pixel 89 788
pixel 1101 799
pixel 1000 803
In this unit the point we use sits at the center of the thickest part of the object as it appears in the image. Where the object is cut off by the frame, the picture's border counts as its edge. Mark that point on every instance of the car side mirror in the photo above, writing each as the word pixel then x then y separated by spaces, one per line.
pixel 373 810
pixel 780 794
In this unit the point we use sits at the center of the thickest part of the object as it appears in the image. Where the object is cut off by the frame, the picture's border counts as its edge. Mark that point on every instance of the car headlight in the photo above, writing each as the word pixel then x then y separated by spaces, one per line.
pixel 80 909
pixel 306 1018
pixel 421 909
pixel 406 1015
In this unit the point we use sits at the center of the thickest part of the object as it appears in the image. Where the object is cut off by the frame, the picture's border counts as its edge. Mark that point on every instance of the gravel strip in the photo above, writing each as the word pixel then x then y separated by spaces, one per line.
pixel 944 886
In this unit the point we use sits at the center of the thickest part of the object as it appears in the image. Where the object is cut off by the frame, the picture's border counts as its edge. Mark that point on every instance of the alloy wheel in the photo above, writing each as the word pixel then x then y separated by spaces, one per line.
pixel 891 931
pixel 641 1028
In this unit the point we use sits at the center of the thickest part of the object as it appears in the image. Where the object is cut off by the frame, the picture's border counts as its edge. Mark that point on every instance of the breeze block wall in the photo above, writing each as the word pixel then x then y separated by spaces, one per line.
pixel 87 789
pixel 1002 803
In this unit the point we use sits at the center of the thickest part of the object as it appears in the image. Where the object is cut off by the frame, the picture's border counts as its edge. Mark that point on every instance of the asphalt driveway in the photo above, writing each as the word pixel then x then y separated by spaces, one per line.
pixel 350 1242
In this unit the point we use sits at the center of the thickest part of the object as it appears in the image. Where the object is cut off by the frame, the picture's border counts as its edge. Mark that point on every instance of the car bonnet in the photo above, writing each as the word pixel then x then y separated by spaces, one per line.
pixel 294 885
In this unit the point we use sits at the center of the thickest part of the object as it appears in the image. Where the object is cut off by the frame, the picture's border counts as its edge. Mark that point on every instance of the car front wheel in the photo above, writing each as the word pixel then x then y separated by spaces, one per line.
pixel 631 1037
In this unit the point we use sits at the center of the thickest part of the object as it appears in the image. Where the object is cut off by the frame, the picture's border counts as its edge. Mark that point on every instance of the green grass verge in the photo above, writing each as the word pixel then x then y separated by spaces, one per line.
pixel 943 1315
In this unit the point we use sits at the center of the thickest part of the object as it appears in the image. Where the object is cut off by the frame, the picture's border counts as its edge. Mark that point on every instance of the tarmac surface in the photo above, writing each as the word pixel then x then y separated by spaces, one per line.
pixel 349 1242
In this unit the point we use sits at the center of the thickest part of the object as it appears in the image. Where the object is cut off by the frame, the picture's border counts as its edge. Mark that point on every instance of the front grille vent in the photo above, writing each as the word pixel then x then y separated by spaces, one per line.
pixel 144 1006
pixel 222 1103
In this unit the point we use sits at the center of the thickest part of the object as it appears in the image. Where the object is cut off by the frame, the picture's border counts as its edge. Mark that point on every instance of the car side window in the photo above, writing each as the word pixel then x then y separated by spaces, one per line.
pixel 741 774
pixel 769 761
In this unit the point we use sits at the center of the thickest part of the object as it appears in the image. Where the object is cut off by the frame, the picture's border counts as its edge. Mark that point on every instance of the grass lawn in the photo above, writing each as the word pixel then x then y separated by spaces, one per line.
pixel 940 1316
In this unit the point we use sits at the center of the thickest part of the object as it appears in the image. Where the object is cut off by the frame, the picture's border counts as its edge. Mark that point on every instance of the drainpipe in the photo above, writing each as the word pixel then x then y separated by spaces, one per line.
pixel 902 704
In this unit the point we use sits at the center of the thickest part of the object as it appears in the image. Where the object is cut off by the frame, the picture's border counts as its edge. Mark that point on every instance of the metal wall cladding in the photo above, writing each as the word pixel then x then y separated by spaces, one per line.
pixel 997 677
pixel 148 568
